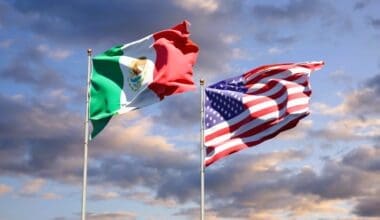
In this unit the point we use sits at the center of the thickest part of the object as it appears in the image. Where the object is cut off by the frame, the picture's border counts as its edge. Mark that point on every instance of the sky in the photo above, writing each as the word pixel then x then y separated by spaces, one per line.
pixel 145 164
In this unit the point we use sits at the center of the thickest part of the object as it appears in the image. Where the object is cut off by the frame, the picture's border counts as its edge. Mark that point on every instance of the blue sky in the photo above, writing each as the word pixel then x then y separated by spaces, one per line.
pixel 145 164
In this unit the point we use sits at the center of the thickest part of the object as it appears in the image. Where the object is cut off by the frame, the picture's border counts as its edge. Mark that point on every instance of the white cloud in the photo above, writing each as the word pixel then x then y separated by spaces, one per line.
pixel 277 50
pixel 354 128
pixel 208 6
pixel 56 53
pixel 229 38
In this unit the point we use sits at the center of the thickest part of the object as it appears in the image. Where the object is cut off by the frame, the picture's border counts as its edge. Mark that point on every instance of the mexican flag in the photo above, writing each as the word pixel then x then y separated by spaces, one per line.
pixel 140 73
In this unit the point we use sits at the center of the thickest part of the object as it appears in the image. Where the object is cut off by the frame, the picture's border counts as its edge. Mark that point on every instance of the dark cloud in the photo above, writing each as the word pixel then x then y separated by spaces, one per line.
pixel 104 24
pixel 294 11
pixel 375 22
pixel 295 17
pixel 366 100
pixel 35 140
pixel 32 70
pixel 96 21
pixel 50 147
pixel 335 182
pixel 374 83
pixel 186 113
pixel 257 184
pixel 359 5
pixel 367 159
pixel 368 207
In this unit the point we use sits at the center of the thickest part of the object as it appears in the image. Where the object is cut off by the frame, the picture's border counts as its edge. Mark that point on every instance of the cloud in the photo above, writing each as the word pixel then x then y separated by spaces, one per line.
pixel 4 189
pixel 368 207
pixel 362 102
pixel 208 6
pixel 185 116
pixel 230 38
pixel 349 128
pixel 144 17
pixel 56 53
pixel 52 21
pixel 359 5
pixel 297 11
pixel 287 23
pixel 111 216
pixel 147 198
pixel 259 184
pixel 364 158
pixel 39 138
pixel 104 196
pixel 6 43
pixel 374 22
pixel 51 196
pixel 32 187
pixel 32 69
pixel 356 117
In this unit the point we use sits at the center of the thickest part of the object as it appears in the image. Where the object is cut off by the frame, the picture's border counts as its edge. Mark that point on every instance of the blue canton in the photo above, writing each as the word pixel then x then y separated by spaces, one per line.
pixel 224 100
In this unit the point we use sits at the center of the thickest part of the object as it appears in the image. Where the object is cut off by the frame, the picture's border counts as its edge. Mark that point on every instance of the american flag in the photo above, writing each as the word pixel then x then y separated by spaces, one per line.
pixel 246 110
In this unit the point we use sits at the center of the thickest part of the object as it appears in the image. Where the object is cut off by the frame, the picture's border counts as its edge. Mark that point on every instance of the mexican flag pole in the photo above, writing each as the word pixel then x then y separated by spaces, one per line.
pixel 86 135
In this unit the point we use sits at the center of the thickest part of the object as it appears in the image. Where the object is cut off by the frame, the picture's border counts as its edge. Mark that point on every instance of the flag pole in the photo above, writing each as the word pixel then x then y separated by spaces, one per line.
pixel 86 136
pixel 202 164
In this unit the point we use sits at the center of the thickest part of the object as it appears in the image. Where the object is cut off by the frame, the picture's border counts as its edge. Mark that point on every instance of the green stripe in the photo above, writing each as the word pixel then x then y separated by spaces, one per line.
pixel 106 85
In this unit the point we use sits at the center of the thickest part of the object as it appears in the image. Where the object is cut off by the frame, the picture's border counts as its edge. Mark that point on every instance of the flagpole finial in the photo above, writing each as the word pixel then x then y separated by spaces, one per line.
pixel 202 82
pixel 89 51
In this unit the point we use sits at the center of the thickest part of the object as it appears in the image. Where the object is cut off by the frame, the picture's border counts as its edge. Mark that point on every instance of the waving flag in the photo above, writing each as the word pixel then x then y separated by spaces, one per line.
pixel 140 73
pixel 244 111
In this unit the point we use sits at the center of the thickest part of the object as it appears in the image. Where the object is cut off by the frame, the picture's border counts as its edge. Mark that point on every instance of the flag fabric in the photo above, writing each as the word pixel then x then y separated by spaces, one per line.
pixel 140 73
pixel 244 111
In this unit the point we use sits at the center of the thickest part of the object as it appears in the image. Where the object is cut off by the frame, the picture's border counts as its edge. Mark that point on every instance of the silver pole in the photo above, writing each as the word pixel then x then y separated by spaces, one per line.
pixel 202 82
pixel 86 137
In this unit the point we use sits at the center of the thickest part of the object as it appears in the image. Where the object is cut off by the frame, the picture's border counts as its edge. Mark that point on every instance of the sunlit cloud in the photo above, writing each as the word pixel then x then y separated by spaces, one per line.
pixel 4 189
pixel 208 6
pixel 32 187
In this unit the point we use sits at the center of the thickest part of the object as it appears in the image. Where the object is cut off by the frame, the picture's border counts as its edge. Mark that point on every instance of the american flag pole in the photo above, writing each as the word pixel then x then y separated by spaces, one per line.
pixel 202 149
pixel 86 137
